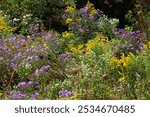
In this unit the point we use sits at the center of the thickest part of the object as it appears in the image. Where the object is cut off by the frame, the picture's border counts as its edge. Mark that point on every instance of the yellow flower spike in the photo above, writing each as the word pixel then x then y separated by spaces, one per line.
pixel 89 53
pixel 131 55
pixel 121 79
pixel 70 9
pixel 80 47
pixel 93 12
pixel 69 20
pixel 89 5
pixel 124 61
pixel 4 26
pixel 101 38
pixel 114 62
pixel 67 34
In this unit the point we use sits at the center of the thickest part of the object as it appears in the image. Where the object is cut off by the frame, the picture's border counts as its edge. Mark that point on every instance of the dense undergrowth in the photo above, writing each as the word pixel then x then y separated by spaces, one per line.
pixel 91 60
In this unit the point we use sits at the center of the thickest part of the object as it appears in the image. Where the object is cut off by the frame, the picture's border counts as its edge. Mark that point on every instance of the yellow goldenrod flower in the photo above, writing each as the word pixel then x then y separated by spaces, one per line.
pixel 101 38
pixel 121 79
pixel 93 12
pixel 89 53
pixel 76 50
pixel 147 45
pixel 69 20
pixel 90 45
pixel 80 47
pixel 89 5
pixel 67 34
pixel 114 62
pixel 124 61
pixel 4 26
pixel 70 9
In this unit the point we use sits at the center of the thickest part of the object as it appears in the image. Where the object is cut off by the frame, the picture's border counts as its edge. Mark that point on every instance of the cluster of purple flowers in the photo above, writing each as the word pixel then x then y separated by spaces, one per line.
pixel 130 41
pixel 65 93
pixel 25 91
pixel 17 95
pixel 63 57
pixel 35 96
pixel 84 21
pixel 18 49
pixel 44 69
pixel 25 85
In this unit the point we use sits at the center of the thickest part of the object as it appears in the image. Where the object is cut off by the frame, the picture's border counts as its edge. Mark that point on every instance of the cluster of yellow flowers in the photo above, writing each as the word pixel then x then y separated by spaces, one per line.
pixel 91 7
pixel 99 41
pixel 67 35
pixel 124 61
pixel 69 20
pixel 70 9
pixel 3 25
pixel 75 49
pixel 147 46
pixel 86 48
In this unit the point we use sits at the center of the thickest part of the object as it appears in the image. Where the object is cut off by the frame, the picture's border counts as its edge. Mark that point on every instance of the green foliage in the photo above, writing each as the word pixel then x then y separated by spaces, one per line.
pixel 84 22
pixel 5 29
pixel 77 64
pixel 26 12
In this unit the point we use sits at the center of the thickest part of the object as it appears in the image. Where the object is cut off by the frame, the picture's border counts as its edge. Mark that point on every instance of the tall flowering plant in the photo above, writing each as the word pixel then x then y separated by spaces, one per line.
pixel 82 22
pixel 129 41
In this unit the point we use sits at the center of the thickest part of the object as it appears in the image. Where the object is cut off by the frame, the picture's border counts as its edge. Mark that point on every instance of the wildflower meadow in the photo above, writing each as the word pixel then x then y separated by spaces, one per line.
pixel 52 50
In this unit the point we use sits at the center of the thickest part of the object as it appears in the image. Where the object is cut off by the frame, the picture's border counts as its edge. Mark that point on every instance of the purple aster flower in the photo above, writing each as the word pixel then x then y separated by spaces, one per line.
pixel 1 58
pixel 63 57
pixel 91 17
pixel 45 68
pixel 20 41
pixel 1 47
pixel 50 35
pixel 35 95
pixel 81 30
pixel 23 85
pixel 30 58
pixel 14 66
pixel 140 47
pixel 16 95
pixel 30 82
pixel 84 10
pixel 33 98
pixel 36 85
pixel 65 93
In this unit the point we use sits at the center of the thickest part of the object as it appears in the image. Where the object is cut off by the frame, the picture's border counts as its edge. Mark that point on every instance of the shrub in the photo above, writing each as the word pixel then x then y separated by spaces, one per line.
pixel 29 57
pixel 44 10
pixel 88 20
pixel 129 42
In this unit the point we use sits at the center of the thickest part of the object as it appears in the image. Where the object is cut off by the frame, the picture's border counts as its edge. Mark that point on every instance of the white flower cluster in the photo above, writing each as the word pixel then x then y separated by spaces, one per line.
pixel 16 20
pixel 114 21
pixel 27 15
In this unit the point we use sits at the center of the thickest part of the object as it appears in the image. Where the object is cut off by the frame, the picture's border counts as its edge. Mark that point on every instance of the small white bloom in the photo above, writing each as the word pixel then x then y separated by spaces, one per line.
pixel 24 16
pixel 15 19
pixel 28 37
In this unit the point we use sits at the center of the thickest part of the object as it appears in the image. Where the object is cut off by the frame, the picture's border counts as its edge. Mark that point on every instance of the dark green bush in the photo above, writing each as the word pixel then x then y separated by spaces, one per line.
pixel 42 9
